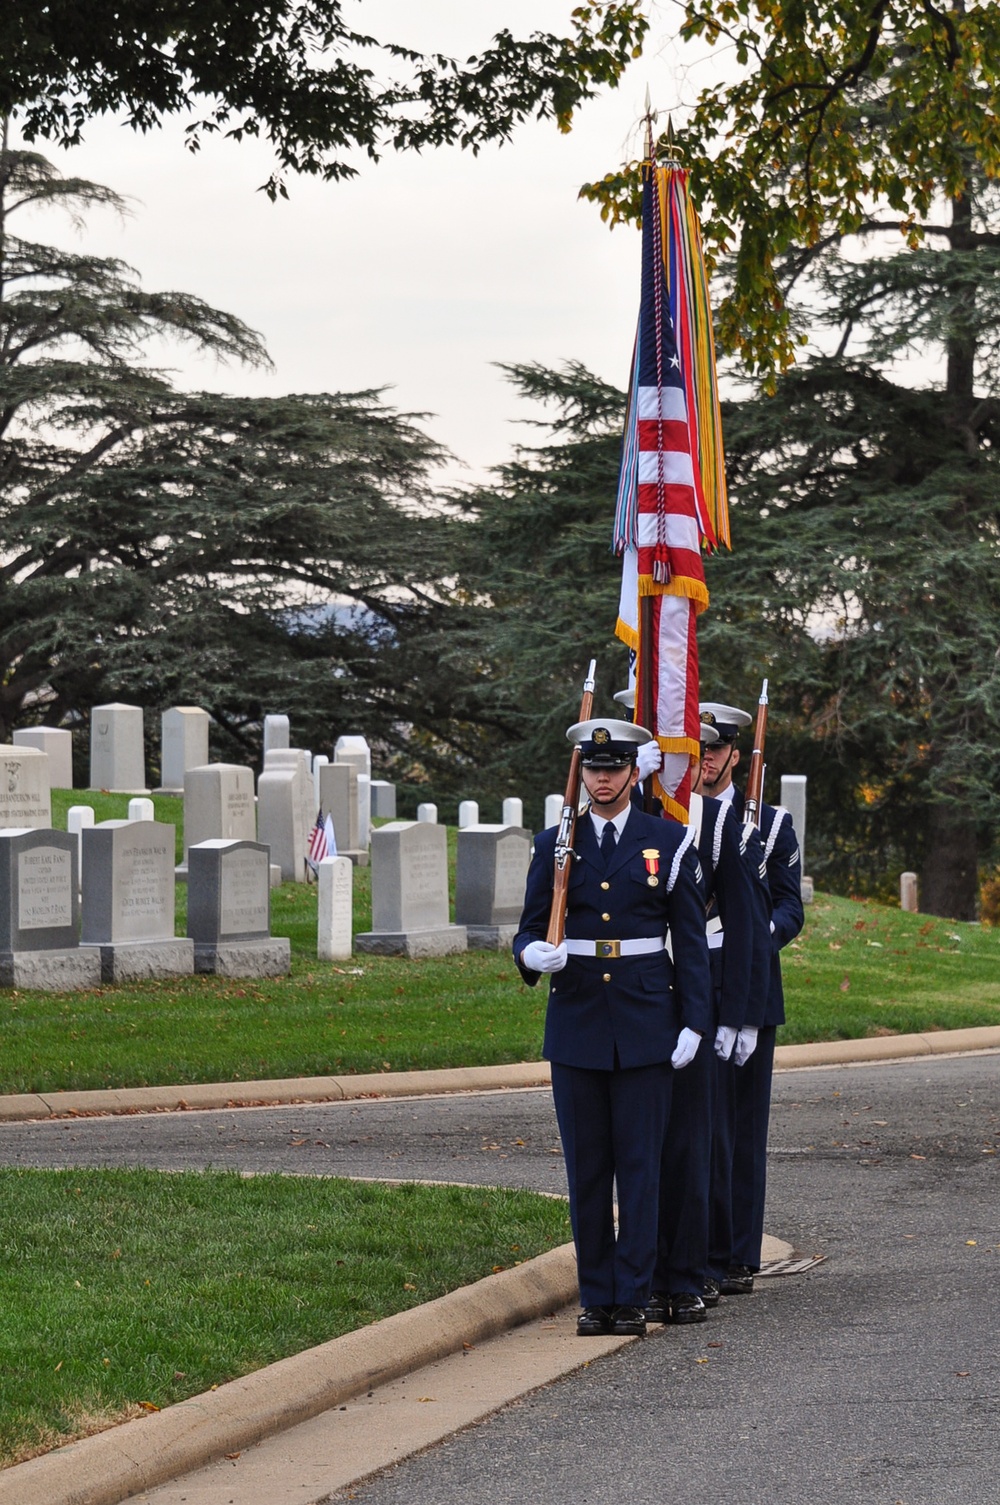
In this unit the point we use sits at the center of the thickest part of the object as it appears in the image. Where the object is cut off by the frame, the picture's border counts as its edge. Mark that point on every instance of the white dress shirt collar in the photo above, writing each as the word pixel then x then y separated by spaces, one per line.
pixel 618 821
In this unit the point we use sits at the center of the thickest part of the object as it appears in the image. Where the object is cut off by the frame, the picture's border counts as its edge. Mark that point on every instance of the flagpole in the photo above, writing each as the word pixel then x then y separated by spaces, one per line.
pixel 644 663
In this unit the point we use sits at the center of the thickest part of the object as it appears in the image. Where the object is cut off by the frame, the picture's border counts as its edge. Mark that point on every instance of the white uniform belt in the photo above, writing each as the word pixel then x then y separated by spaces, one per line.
pixel 713 930
pixel 644 946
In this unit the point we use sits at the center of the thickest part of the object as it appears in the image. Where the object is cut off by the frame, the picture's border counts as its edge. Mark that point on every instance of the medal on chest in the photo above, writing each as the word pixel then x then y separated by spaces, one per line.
pixel 652 858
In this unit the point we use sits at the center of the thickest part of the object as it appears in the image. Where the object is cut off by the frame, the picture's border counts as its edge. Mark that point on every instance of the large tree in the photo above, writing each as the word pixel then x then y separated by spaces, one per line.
pixel 538 584
pixel 870 130
pixel 296 72
pixel 188 547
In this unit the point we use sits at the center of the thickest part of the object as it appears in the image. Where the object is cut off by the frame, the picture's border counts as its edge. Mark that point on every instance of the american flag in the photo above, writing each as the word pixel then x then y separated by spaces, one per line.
pixel 319 844
pixel 661 522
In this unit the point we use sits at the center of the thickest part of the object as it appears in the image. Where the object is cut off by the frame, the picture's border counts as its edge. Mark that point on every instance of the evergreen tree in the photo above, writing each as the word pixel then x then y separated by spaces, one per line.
pixel 539 586
pixel 177 547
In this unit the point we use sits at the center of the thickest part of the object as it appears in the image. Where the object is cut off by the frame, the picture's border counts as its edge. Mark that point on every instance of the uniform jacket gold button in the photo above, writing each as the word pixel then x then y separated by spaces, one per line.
pixel 607 977
pixel 605 885
pixel 605 917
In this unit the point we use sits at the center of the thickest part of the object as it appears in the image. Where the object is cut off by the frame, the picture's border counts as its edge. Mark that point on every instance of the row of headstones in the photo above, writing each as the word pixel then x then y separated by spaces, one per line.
pixel 410 891
pixel 219 798
pixel 117 750
pixel 79 909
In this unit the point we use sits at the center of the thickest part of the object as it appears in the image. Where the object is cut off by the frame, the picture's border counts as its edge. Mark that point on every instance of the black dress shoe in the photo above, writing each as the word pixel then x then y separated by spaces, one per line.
pixel 628 1322
pixel 658 1307
pixel 737 1281
pixel 593 1322
pixel 686 1306
pixel 710 1292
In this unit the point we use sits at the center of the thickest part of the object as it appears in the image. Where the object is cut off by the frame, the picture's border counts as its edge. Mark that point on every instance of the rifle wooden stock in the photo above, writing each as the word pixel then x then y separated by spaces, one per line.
pixel 755 778
pixel 567 824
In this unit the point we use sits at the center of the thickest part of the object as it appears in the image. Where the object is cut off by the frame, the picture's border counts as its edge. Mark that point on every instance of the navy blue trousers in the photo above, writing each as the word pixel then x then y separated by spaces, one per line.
pixel 752 1108
pixel 611 1124
pixel 720 1213
pixel 685 1177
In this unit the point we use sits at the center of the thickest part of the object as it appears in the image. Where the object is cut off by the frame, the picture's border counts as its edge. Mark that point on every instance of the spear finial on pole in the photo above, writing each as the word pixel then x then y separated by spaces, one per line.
pixel 650 118
pixel 673 154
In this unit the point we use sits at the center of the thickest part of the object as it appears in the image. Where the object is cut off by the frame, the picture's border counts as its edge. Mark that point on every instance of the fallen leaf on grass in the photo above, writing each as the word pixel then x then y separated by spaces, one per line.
pixel 845 984
pixel 408 1287
pixel 148 1405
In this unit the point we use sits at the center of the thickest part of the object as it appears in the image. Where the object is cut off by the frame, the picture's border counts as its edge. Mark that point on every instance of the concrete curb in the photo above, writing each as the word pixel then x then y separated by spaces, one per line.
pixel 207 1095
pixel 887 1048
pixel 321 1089
pixel 111 1466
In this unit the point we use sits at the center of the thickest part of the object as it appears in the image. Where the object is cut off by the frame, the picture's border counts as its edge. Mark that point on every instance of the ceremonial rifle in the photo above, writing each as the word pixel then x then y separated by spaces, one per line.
pixel 567 823
pixel 755 778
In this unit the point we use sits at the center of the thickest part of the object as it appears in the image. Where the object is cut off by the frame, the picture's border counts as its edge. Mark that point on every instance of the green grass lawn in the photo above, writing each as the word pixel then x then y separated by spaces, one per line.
pixel 862 969
pixel 124 1290
pixel 858 969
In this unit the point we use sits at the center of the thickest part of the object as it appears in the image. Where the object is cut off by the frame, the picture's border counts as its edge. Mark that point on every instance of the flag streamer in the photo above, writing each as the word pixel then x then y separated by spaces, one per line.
pixel 691 313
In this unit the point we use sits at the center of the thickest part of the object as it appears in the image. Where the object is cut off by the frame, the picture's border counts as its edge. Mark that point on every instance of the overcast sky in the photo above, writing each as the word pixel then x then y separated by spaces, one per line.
pixel 420 273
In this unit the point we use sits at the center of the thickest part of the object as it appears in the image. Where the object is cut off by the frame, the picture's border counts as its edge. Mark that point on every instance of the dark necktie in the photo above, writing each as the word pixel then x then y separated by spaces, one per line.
pixel 608 842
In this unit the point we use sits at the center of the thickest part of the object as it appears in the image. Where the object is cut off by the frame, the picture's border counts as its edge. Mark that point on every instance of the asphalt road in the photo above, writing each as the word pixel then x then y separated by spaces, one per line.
pixel 874 1378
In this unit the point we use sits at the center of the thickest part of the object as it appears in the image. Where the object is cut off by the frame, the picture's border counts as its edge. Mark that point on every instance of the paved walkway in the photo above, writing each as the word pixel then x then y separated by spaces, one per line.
pixel 909 1119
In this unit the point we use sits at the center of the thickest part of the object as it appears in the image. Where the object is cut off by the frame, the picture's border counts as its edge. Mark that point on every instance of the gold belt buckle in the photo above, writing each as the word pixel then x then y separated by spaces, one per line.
pixel 606 949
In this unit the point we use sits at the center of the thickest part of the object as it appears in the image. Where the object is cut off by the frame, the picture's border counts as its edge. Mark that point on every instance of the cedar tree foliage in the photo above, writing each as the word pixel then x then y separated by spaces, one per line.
pixel 170 547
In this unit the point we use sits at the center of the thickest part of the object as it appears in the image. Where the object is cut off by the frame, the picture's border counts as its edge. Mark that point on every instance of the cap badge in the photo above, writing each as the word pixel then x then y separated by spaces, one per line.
pixel 601 736
pixel 708 717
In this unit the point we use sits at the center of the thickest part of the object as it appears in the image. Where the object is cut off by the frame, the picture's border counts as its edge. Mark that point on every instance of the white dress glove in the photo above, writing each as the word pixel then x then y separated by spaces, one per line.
pixel 746 1044
pixel 687 1048
pixel 542 956
pixel 649 759
pixel 725 1039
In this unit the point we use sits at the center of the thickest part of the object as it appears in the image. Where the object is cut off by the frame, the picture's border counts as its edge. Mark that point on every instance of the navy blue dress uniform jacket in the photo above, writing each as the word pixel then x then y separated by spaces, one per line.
pixel 634 1017
pixel 728 897
pixel 784 879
